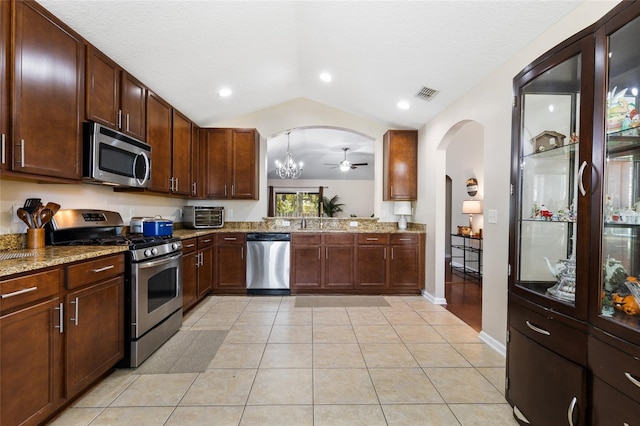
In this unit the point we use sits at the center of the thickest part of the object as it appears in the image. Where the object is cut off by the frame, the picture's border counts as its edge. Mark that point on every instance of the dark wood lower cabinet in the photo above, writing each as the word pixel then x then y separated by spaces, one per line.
pixel 546 388
pixel 609 406
pixel 205 265
pixel 30 364
pixel 94 331
pixel 189 279
pixel 230 266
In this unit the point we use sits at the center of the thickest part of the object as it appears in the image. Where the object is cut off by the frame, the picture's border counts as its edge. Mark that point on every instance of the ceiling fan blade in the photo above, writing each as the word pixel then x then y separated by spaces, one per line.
pixel 360 164
pixel 331 164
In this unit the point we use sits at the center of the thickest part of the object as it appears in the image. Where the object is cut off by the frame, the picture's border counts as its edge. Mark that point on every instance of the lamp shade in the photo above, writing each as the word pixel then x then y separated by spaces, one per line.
pixel 402 207
pixel 471 207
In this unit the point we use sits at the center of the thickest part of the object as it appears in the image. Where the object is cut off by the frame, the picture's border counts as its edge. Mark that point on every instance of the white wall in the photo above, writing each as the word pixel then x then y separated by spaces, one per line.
pixel 488 104
pixel 356 195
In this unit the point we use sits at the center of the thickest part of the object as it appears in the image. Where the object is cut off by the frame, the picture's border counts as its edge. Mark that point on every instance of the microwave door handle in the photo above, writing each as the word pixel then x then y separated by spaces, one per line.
pixel 147 168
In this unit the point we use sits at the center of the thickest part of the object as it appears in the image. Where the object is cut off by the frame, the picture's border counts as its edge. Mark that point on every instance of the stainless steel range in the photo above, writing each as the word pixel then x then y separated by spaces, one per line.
pixel 153 276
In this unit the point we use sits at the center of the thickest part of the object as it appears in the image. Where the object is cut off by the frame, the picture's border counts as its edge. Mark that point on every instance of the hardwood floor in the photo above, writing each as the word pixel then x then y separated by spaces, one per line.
pixel 464 297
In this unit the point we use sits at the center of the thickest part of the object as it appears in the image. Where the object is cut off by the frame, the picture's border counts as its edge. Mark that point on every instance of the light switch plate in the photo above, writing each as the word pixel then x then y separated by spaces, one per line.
pixel 493 216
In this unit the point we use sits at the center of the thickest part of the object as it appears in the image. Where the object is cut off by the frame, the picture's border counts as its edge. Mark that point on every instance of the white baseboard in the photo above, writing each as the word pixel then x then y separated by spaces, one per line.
pixel 493 343
pixel 434 300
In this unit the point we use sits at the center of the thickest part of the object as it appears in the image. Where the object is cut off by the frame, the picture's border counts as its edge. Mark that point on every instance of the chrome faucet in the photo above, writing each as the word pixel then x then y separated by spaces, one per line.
pixel 303 223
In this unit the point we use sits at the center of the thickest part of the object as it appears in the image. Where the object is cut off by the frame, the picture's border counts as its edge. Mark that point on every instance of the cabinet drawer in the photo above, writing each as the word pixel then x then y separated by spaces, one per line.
pixel 205 241
pixel 620 369
pixel 612 407
pixel 231 238
pixel 306 239
pixel 28 289
pixel 345 239
pixel 95 270
pixel 367 239
pixel 189 245
pixel 400 239
pixel 547 330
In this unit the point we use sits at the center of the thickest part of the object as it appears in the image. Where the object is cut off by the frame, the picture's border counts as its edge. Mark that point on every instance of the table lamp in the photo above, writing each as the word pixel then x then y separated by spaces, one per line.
pixel 402 208
pixel 471 207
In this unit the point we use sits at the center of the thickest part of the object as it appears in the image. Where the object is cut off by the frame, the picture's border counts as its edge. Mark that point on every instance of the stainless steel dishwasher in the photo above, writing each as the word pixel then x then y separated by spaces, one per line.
pixel 268 260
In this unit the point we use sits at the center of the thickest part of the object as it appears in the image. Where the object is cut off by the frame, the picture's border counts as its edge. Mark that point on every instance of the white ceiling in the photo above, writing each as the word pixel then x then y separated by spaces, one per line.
pixel 269 52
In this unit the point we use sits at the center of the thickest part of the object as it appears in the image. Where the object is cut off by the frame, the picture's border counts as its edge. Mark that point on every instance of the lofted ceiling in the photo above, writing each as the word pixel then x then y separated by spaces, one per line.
pixel 268 52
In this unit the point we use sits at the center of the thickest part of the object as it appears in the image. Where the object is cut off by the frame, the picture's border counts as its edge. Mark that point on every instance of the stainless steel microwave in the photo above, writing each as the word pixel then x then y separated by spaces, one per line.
pixel 113 158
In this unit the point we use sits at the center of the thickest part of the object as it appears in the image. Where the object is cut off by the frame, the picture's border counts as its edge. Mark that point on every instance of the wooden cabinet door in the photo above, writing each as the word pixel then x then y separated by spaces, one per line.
pixel 5 16
pixel 404 267
pixel 400 175
pixel 339 260
pixel 243 164
pixel 102 89
pixel 230 261
pixel 205 271
pixel 371 266
pixel 133 104
pixel 95 332
pixel 48 107
pixel 198 157
pixel 30 363
pixel 216 148
pixel 542 385
pixel 181 154
pixel 306 266
pixel 189 279
pixel 159 137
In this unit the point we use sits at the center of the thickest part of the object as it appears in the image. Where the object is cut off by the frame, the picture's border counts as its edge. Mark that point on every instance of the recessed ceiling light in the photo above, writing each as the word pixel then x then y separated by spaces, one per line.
pixel 225 92
pixel 326 77
pixel 404 105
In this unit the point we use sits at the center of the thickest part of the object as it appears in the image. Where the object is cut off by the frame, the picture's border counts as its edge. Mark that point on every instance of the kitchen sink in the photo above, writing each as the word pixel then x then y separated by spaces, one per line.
pixel 9 256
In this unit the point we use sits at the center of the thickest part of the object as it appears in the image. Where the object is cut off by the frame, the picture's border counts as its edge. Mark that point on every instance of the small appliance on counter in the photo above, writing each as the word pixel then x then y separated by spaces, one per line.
pixel 203 217
pixel 151 226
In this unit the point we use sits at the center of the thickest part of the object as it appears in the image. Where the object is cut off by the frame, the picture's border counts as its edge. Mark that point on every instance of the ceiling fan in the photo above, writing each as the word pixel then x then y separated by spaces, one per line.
pixel 345 165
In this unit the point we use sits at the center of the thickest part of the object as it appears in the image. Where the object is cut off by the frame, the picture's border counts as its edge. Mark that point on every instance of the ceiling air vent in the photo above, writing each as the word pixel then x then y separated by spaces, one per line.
pixel 426 93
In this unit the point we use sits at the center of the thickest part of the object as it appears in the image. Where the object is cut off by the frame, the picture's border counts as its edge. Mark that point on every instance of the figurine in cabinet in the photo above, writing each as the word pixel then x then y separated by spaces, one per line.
pixel 547 140
pixel 627 299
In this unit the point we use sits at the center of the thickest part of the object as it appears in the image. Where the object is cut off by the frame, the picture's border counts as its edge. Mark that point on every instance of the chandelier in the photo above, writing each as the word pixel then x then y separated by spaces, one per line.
pixel 288 169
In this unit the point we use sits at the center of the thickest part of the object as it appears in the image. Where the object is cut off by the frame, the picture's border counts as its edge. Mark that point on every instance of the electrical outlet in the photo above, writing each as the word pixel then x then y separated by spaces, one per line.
pixel 286 223
pixel 493 216
pixel 229 212
pixel 353 223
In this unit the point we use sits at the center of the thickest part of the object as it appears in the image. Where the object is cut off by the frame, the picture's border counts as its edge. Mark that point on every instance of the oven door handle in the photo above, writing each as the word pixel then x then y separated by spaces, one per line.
pixel 143 265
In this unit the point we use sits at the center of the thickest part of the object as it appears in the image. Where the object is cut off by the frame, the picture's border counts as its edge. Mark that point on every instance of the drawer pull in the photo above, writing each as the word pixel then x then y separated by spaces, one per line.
pixel 632 379
pixel 60 310
pixel 106 268
pixel 538 329
pixel 405 239
pixel 206 241
pixel 230 238
pixel 372 239
pixel 19 292
pixel 572 408
pixel 189 245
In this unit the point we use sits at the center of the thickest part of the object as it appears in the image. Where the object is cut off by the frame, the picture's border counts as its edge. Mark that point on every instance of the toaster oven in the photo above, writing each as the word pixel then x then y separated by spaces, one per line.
pixel 203 217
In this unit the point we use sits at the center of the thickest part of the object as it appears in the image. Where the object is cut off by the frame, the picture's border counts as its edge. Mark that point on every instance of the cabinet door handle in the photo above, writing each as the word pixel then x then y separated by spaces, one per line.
pixel 22 153
pixel 519 415
pixel 128 123
pixel 233 190
pixel 4 155
pixel 319 254
pixel 119 119
pixel 391 253
pixel 326 253
pixel 176 182
pixel 242 253
pixel 194 188
pixel 580 173
pixel 225 190
pixel 632 379
pixel 537 329
pixel 572 407
pixel 75 319
pixel 385 253
pixel 16 293
pixel 106 268
pixel 60 310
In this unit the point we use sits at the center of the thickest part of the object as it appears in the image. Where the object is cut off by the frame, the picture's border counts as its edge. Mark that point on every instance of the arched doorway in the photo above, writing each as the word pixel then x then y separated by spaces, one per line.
pixel 464 146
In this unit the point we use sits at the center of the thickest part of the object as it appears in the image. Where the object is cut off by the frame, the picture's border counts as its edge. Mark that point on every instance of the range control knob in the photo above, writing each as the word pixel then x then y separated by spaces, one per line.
pixel 175 246
pixel 147 253
pixel 154 251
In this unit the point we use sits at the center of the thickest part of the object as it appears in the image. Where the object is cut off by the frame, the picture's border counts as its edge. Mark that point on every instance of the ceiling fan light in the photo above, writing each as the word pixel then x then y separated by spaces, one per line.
pixel 345 167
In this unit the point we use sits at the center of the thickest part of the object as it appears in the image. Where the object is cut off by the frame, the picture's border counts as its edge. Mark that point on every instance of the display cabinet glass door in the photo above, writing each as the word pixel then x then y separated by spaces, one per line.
pixel 619 302
pixel 548 185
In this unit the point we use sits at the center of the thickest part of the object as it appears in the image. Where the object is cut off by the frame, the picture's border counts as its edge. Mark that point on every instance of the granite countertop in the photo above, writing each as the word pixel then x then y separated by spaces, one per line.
pixel 49 256
pixel 52 256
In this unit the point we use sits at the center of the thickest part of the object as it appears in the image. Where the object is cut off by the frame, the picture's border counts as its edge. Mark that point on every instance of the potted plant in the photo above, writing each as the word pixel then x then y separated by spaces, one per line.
pixel 331 206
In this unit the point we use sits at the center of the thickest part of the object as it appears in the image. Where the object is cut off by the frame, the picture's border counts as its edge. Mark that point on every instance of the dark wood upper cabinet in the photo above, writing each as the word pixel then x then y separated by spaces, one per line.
pixel 47 106
pixel 181 159
pixel 198 162
pixel 159 136
pixel 400 159
pixel 114 97
pixel 231 170
pixel 5 14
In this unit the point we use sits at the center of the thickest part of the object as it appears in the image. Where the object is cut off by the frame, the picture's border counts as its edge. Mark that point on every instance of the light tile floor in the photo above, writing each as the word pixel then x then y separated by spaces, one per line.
pixel 413 363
